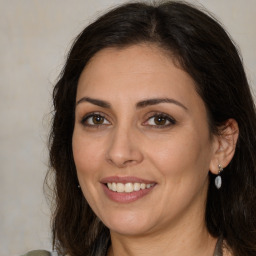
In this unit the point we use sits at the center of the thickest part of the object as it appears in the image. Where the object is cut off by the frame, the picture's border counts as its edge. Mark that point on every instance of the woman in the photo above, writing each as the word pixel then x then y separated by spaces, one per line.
pixel 153 138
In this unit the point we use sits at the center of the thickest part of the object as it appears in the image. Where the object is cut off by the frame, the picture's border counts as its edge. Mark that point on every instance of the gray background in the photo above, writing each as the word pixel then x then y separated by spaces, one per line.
pixel 35 36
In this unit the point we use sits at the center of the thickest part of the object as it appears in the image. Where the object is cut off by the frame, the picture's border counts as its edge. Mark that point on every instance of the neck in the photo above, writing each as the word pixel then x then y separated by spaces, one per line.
pixel 198 243
pixel 187 235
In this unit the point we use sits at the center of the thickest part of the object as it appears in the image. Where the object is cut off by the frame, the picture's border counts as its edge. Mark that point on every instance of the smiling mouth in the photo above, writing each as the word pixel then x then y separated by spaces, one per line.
pixel 128 187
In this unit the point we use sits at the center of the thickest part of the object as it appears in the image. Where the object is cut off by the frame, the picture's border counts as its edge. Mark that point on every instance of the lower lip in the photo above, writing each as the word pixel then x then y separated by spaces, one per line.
pixel 126 197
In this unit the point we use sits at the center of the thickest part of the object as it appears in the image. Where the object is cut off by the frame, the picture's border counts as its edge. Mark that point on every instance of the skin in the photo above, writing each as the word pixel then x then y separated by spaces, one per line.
pixel 177 156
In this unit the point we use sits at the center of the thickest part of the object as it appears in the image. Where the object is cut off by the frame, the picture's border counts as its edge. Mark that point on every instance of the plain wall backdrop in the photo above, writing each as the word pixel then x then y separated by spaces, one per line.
pixel 35 37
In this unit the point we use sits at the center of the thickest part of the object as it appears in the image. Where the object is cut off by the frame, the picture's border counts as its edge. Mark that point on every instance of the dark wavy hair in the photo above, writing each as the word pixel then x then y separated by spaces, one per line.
pixel 200 46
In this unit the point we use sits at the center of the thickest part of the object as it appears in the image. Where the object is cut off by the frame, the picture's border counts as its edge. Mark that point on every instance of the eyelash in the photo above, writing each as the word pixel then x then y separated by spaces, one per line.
pixel 85 119
pixel 166 117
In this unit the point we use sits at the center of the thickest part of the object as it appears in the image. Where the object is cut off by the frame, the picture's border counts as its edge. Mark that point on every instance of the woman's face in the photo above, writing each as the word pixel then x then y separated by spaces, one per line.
pixel 141 129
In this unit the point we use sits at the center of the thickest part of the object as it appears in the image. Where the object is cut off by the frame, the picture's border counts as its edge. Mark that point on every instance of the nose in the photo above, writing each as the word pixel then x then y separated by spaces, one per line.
pixel 124 148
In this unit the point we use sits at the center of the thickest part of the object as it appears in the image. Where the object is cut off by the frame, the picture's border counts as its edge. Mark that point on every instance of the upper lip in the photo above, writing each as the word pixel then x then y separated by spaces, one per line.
pixel 127 179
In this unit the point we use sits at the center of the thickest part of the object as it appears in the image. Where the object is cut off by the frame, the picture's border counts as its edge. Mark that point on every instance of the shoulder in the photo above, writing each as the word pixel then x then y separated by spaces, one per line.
pixel 39 253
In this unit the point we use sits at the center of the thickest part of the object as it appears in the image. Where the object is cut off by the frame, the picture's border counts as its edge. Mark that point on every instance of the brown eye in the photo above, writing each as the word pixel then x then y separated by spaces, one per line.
pixel 160 120
pixel 95 120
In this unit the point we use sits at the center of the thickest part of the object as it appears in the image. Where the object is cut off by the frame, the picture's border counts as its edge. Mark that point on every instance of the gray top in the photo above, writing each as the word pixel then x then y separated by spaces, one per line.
pixel 218 248
pixel 39 253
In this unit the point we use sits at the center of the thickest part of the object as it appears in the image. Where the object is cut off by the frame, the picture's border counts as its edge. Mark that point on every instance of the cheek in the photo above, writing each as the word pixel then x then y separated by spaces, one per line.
pixel 86 154
pixel 183 163
pixel 182 155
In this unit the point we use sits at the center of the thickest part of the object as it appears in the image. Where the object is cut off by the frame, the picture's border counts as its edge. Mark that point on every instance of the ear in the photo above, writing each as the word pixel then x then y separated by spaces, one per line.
pixel 224 145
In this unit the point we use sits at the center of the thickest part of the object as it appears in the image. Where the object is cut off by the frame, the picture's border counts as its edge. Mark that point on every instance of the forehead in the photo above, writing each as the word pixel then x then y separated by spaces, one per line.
pixel 135 58
pixel 135 72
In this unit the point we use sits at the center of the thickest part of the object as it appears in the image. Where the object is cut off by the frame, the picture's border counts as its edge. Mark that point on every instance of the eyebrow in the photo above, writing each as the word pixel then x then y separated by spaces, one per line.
pixel 150 102
pixel 140 104
pixel 100 103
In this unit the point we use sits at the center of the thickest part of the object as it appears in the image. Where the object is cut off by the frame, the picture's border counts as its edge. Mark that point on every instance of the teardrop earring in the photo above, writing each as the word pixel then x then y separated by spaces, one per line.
pixel 218 180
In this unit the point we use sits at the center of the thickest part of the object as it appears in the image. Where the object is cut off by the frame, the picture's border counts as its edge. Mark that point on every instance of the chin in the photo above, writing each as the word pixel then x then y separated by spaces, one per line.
pixel 129 224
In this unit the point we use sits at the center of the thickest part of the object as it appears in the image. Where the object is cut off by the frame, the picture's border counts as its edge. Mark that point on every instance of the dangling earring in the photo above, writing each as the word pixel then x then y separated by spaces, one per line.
pixel 218 180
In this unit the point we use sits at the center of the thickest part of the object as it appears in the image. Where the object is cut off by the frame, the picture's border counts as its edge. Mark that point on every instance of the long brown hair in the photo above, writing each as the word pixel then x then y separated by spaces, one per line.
pixel 204 50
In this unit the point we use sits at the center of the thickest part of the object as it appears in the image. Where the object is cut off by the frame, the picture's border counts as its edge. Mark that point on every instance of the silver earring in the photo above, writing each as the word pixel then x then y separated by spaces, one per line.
pixel 218 180
pixel 78 186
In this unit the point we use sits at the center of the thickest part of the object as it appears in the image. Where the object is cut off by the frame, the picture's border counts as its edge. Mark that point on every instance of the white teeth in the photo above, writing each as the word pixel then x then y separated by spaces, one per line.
pixel 109 185
pixel 136 186
pixel 142 185
pixel 127 187
pixel 120 187
pixel 113 187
